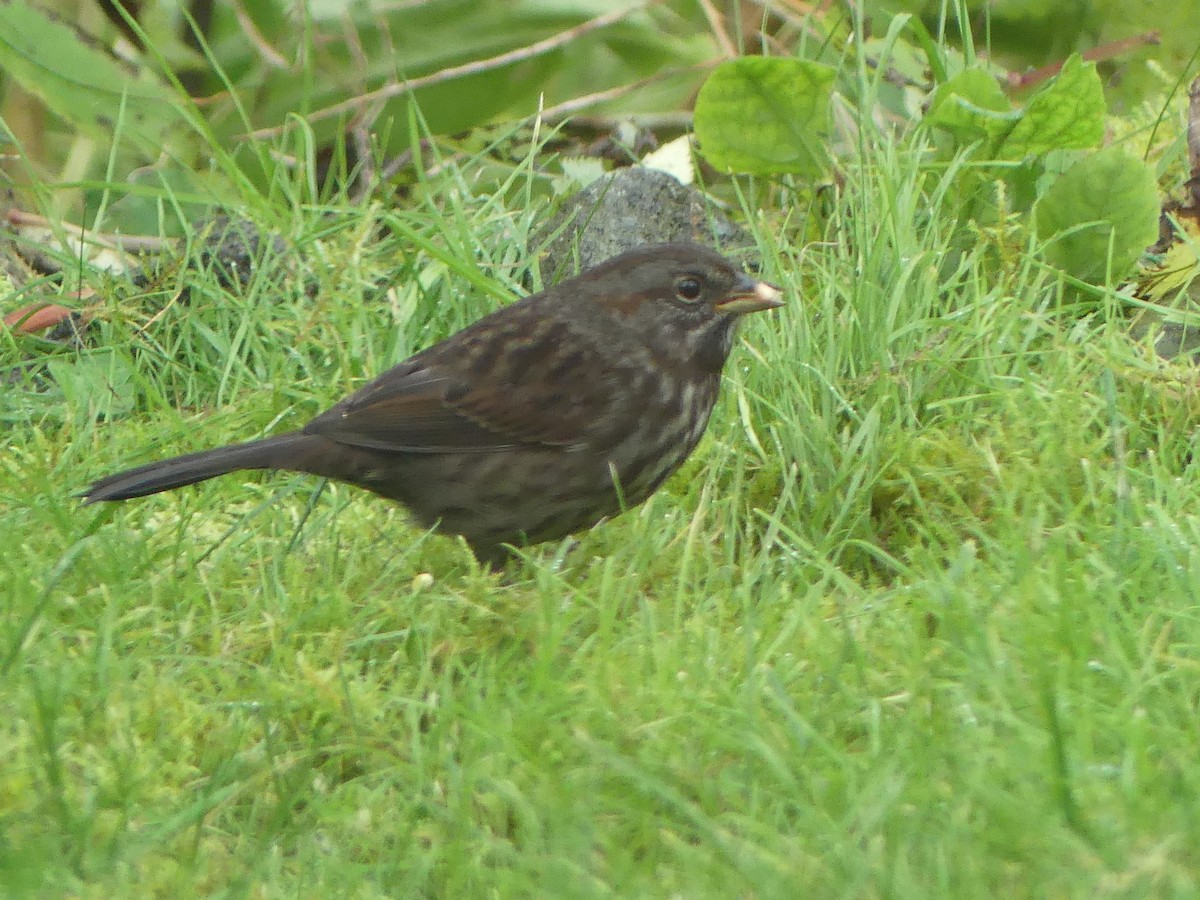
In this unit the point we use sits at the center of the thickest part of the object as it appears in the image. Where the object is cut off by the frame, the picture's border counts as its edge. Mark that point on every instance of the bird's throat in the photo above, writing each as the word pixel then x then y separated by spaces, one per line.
pixel 712 344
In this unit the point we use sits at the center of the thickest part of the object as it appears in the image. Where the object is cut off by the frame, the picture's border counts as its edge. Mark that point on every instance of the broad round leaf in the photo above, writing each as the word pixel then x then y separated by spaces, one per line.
pixel 1066 114
pixel 765 116
pixel 1108 196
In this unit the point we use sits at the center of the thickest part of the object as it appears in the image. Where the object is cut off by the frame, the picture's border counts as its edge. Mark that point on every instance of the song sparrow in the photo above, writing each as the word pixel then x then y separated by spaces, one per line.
pixel 537 420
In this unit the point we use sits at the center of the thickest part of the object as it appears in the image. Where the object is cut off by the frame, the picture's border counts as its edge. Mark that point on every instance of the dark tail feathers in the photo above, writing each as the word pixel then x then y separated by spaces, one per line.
pixel 269 453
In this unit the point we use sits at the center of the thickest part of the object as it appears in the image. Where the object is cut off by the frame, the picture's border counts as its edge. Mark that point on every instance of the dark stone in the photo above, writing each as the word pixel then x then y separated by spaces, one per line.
pixel 70 331
pixel 1171 339
pixel 626 209
pixel 234 248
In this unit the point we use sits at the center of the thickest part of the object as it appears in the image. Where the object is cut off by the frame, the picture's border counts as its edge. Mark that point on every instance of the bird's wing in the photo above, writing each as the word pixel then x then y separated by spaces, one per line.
pixel 512 384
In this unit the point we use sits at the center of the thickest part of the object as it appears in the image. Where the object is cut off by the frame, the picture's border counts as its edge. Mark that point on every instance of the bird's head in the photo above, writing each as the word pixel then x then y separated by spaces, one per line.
pixel 682 299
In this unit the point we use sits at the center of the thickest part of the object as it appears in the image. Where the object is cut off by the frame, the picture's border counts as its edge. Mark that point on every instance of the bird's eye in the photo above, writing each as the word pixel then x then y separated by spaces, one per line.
pixel 688 289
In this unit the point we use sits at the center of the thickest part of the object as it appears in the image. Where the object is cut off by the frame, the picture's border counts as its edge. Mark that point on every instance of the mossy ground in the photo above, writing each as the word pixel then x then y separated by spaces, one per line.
pixel 918 620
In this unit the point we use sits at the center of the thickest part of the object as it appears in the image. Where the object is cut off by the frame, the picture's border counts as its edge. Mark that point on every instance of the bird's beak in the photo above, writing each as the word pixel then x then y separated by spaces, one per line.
pixel 750 296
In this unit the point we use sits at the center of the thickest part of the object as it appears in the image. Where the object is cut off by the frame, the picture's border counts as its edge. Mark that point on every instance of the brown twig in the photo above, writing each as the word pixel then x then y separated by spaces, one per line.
pixel 675 121
pixel 389 170
pixel 718 29
pixel 269 54
pixel 801 15
pixel 1193 146
pixel 474 67
pixel 1193 129
pixel 131 243
pixel 1021 80
pixel 567 108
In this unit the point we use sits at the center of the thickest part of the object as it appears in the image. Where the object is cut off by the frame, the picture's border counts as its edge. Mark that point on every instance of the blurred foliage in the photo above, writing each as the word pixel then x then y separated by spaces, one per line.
pixel 134 117
pixel 193 95
pixel 1032 33
pixel 355 48
pixel 1033 165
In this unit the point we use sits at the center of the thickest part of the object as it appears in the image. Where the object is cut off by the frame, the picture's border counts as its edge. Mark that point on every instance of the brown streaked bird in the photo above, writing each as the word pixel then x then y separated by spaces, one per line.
pixel 538 420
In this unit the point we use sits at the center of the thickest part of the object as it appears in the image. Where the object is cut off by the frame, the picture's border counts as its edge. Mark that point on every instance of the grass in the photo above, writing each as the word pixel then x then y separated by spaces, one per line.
pixel 919 619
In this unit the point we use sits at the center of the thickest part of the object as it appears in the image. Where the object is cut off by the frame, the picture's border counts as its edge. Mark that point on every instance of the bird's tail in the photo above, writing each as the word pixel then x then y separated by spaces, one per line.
pixel 269 453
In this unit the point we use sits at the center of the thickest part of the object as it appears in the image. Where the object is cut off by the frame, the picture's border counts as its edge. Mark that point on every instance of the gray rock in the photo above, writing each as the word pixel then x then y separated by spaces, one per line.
pixel 1171 339
pixel 626 209
pixel 235 247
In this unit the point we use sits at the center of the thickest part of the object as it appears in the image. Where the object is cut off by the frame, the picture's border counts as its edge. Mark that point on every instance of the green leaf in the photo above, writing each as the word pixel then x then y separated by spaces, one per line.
pixel 971 107
pixel 765 116
pixel 101 383
pixel 1108 197
pixel 81 82
pixel 1068 113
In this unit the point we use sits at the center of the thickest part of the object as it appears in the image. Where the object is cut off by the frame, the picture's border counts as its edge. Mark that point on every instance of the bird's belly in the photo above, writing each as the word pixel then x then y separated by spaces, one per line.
pixel 528 496
pixel 533 494
pixel 513 496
